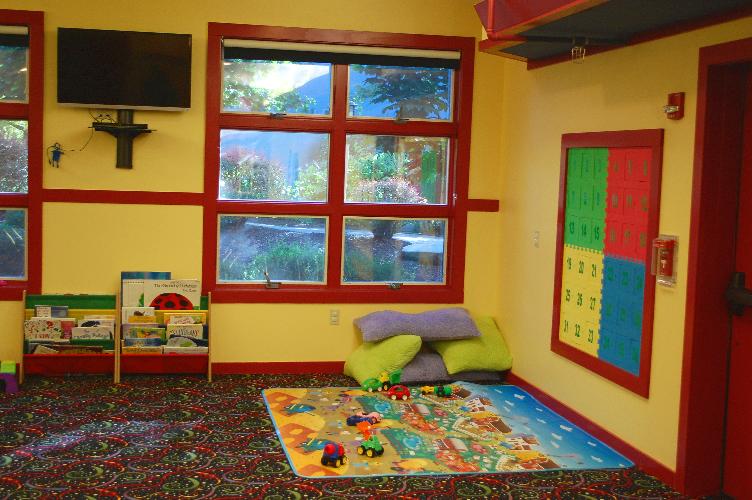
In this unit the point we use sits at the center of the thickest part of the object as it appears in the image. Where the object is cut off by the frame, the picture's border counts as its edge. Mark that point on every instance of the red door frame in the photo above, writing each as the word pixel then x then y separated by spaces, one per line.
pixel 718 140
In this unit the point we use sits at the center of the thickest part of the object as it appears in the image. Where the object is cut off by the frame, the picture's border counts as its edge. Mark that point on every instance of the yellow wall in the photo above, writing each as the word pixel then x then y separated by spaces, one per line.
pixel 518 120
pixel 619 90
pixel 87 245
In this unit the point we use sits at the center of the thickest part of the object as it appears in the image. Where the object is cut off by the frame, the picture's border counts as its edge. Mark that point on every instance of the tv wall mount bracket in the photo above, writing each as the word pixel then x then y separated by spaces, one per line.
pixel 124 131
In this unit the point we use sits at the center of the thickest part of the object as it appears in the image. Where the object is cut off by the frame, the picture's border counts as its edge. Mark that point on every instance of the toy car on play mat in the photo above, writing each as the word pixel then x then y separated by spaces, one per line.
pixel 371 384
pixel 371 418
pixel 398 392
pixel 371 447
pixel 333 455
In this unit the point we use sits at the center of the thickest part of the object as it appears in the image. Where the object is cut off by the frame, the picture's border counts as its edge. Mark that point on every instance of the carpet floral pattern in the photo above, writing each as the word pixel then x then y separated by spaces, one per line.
pixel 181 438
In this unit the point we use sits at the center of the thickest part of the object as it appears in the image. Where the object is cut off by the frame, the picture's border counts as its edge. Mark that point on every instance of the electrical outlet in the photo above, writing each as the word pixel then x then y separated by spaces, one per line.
pixel 334 316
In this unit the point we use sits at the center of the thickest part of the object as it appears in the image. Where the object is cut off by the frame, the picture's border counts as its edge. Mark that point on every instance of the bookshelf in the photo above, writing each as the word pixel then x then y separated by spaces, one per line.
pixel 116 361
pixel 71 363
pixel 164 363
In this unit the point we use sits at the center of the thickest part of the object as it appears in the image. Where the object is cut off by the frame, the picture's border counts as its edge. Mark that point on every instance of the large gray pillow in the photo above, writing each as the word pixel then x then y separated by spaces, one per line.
pixel 451 323
pixel 428 367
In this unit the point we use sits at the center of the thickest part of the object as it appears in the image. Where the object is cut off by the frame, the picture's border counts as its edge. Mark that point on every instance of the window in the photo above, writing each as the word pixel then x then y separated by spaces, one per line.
pixel 336 172
pixel 20 152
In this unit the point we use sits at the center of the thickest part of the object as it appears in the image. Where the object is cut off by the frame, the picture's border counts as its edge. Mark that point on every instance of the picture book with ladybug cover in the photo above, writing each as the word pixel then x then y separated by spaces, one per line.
pixel 172 294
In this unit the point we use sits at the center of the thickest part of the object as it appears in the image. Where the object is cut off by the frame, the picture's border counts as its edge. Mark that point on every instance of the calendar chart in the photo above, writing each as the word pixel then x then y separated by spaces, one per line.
pixel 605 251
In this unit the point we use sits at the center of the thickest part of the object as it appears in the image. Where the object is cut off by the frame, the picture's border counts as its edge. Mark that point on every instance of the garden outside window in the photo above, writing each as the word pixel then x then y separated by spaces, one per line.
pixel 336 170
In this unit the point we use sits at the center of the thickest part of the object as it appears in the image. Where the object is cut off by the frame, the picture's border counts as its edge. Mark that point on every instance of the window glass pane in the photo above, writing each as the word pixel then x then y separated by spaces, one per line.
pixel 13 73
pixel 395 169
pixel 12 243
pixel 394 250
pixel 14 158
pixel 277 87
pixel 273 166
pixel 290 249
pixel 400 92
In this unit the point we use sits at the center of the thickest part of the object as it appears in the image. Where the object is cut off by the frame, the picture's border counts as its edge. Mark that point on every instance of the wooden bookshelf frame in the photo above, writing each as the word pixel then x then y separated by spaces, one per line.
pixel 61 364
pixel 157 363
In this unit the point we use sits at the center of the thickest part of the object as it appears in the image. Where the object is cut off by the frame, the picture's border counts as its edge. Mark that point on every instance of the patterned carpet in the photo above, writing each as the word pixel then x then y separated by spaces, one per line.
pixel 181 438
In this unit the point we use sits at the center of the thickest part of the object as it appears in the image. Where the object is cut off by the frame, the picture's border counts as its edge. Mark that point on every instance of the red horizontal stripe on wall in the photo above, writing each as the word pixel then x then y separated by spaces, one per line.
pixel 122 197
pixel 482 205
pixel 278 367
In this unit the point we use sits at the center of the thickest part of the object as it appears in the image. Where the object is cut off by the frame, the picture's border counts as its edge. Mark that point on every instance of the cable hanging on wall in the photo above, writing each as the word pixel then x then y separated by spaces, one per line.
pixel 56 151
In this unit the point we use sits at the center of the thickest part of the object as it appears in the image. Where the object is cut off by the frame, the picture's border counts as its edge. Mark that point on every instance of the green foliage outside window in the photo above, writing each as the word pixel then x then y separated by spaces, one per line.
pixel 14 158
pixel 12 243
pixel 12 73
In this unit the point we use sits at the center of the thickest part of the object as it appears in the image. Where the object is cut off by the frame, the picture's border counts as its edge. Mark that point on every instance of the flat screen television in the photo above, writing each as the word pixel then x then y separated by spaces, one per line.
pixel 123 69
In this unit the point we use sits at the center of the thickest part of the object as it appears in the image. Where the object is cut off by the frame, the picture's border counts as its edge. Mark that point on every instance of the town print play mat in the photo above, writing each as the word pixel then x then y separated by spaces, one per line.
pixel 477 429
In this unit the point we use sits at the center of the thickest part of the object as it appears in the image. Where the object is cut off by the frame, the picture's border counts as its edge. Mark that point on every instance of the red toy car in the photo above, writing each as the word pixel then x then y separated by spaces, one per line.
pixel 333 455
pixel 398 392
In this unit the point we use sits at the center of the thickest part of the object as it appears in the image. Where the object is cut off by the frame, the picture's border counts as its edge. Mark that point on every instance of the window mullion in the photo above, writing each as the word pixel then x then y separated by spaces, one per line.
pixel 337 156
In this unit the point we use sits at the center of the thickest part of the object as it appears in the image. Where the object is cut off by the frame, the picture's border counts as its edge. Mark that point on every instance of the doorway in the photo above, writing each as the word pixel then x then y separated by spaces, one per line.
pixel 710 347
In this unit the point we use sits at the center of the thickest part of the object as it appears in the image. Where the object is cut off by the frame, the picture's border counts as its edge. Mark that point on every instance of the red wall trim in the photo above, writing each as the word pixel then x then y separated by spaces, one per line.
pixel 122 197
pixel 32 111
pixel 652 35
pixel 353 294
pixel 278 367
pixel 643 461
pixel 711 239
pixel 482 205
pixel 652 138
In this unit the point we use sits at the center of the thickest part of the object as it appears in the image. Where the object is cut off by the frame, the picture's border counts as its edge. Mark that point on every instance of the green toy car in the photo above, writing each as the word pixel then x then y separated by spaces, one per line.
pixel 371 384
pixel 371 447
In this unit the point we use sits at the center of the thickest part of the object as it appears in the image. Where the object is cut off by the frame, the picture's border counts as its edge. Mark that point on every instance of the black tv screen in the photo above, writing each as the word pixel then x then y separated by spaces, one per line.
pixel 123 69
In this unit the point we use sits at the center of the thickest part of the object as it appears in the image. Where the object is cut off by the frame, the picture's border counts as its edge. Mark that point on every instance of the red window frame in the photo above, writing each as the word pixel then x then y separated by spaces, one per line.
pixel 31 111
pixel 338 126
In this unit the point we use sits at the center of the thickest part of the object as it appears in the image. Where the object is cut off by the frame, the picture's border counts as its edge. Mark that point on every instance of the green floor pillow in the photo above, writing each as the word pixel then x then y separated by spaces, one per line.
pixel 372 358
pixel 488 352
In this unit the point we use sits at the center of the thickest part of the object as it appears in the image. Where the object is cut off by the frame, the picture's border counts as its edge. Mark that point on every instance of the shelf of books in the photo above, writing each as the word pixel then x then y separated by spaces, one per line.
pixel 166 340
pixel 70 334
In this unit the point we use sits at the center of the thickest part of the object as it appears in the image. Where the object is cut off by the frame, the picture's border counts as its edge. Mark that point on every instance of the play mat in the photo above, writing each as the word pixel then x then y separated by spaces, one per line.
pixel 479 428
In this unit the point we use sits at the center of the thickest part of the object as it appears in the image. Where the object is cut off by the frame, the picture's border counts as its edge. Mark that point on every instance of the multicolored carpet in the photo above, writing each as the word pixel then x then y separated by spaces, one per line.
pixel 478 428
pixel 181 438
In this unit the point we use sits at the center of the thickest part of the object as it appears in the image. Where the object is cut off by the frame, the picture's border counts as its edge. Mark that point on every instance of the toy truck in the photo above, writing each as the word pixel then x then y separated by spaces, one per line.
pixel 442 391
pixel 333 455
pixel 370 446
pixel 389 379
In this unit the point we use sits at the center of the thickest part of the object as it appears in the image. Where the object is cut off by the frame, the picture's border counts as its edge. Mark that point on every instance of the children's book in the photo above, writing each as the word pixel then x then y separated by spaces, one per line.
pixel 148 341
pixel 172 294
pixel 43 329
pixel 187 342
pixel 132 285
pixel 92 332
pixel 184 318
pixel 142 319
pixel 129 312
pixel 86 322
pixel 51 311
pixel 127 327
pixel 142 349
pixel 169 349
pixel 146 332
pixel 190 331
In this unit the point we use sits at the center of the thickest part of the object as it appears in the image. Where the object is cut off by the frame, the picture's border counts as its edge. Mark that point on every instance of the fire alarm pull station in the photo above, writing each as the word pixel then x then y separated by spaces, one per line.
pixel 664 260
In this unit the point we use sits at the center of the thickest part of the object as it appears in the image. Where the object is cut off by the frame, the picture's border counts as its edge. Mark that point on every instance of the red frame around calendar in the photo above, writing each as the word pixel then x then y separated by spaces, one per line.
pixel 652 140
